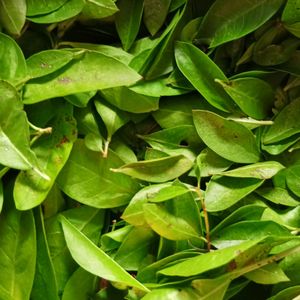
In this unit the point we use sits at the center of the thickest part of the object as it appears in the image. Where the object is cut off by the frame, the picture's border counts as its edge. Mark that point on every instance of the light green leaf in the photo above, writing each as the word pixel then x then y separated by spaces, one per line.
pixel 81 99
pixel 254 96
pixel 52 153
pixel 157 170
pixel 92 71
pixel 111 116
pixel 17 252
pixel 93 259
pixel 1 195
pixel 92 182
pixel 44 285
pixel 155 13
pixel 278 195
pixel 292 179
pixel 269 274
pixel 47 62
pixel 227 138
pixel 69 9
pixel 224 23
pixel 13 65
pixel 80 285
pixel 172 293
pixel 13 15
pixel 15 150
pixel 128 21
pixel 263 170
pixel 128 100
pixel 285 124
pixel 168 225
pixel 292 292
pixel 37 7
pixel 223 192
pixel 208 261
pixel 201 71
pixel 98 9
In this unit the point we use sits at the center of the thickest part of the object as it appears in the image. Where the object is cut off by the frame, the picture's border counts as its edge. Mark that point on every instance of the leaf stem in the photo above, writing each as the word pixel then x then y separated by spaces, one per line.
pixel 206 220
pixel 39 130
pixel 105 151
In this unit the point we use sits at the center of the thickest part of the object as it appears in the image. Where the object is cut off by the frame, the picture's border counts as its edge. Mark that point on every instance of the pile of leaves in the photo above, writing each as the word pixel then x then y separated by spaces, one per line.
pixel 149 149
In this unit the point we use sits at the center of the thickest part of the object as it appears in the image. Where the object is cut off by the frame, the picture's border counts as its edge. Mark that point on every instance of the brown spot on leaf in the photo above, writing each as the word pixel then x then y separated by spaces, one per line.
pixel 64 80
pixel 63 141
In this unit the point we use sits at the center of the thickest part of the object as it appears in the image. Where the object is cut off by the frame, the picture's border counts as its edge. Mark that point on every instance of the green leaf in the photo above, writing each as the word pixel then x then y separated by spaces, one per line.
pixel 98 262
pixel 210 163
pixel 254 96
pixel 172 293
pixel 278 195
pixel 128 21
pixel 155 13
pixel 52 153
pixel 111 116
pixel 157 170
pixel 227 138
pixel 208 261
pixel 13 15
pixel 15 150
pixel 98 9
pixel 223 192
pixel 288 293
pixel 13 65
pixel 1 195
pixel 292 179
pixel 17 252
pixel 285 124
pixel 92 182
pixel 37 7
pixel 69 9
pixel 263 170
pixel 128 100
pixel 80 285
pixel 166 224
pixel 224 23
pixel 92 71
pixel 211 289
pixel 269 274
pixel 44 285
pixel 201 71
pixel 291 13
pixel 47 62
pixel 135 248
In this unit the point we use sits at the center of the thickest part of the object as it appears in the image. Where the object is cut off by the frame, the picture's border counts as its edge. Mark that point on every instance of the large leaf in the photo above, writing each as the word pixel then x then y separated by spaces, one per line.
pixel 13 65
pixel 15 150
pixel 13 15
pixel 98 9
pixel 157 170
pixel 37 7
pixel 227 138
pixel 52 153
pixel 254 96
pixel 224 22
pixel 92 182
pixel 98 262
pixel 92 71
pixel 168 225
pixel 223 192
pixel 128 21
pixel 44 285
pixel 201 71
pixel 17 252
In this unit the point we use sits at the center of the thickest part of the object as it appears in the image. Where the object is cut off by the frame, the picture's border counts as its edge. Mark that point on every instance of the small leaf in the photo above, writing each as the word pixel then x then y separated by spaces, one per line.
pixel 292 179
pixel 254 96
pixel 263 170
pixel 201 71
pixel 93 71
pixel 224 23
pixel 92 182
pixel 168 225
pixel 155 13
pixel 227 138
pixel 285 124
pixel 99 263
pixel 157 170
pixel 269 274
pixel 223 192
pixel 98 9
pixel 69 9
pixel 13 15
pixel 37 7
pixel 288 293
pixel 128 21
